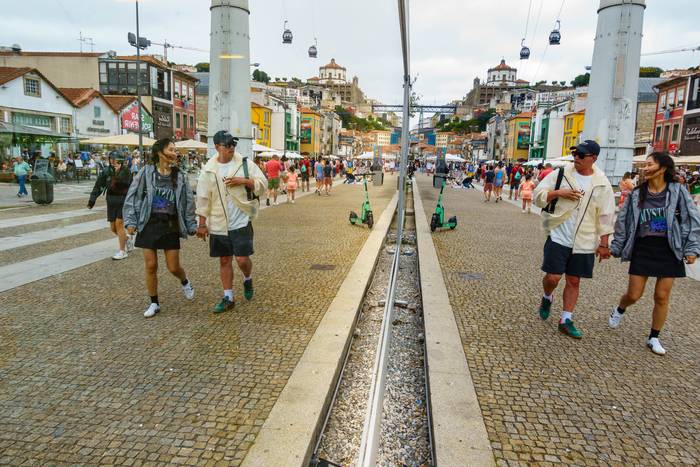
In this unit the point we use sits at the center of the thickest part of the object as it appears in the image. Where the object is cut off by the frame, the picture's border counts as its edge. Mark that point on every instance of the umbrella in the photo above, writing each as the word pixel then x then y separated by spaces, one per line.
pixel 191 144
pixel 129 139
pixel 260 148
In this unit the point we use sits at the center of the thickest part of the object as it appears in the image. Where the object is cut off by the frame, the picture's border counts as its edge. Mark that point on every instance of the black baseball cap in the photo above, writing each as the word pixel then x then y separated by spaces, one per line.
pixel 224 138
pixel 588 147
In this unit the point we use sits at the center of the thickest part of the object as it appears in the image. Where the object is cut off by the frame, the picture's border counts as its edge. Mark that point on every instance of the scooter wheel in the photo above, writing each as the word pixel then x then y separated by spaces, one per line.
pixel 353 217
pixel 370 219
pixel 434 222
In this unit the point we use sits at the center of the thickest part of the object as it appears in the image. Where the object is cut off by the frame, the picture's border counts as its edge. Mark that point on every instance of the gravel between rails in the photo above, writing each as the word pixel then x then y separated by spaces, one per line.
pixel 404 439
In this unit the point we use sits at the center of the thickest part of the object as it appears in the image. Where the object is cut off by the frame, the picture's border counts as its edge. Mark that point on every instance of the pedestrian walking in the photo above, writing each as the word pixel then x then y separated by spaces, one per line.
pixel 694 187
pixel 515 177
pixel 626 187
pixel 273 168
pixel 327 177
pixel 292 184
pixel 526 189
pixel 114 182
pixel 305 170
pixel 578 210
pixel 488 177
pixel 657 229
pixel 160 207
pixel 318 169
pixel 499 181
pixel 228 193
pixel 22 170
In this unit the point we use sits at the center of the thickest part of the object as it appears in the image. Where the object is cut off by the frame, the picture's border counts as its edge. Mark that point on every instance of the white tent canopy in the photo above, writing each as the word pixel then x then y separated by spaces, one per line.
pixel 260 148
pixel 129 139
pixel 448 158
pixel 190 144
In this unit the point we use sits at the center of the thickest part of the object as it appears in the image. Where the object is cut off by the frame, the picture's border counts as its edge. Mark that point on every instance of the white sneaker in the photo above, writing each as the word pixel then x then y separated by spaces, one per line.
pixel 121 254
pixel 524 211
pixel 292 201
pixel 188 290
pixel 655 346
pixel 151 310
pixel 615 318
pixel 130 239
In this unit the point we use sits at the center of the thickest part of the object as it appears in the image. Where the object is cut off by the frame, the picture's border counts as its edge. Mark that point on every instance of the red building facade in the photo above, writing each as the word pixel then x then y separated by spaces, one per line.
pixel 184 106
pixel 670 110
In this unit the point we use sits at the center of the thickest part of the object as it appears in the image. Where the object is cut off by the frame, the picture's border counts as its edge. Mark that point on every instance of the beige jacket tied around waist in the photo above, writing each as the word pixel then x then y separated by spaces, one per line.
pixel 211 192
pixel 596 210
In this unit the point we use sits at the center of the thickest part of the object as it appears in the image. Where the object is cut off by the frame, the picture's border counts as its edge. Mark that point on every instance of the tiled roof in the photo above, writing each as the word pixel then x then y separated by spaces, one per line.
pixel 79 97
pixel 524 115
pixel 144 58
pixel 502 66
pixel 117 103
pixel 7 74
pixel 334 65
pixel 52 54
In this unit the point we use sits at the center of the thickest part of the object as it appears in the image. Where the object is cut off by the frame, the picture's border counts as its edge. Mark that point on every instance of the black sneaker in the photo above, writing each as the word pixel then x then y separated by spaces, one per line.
pixel 545 308
pixel 267 202
pixel 248 289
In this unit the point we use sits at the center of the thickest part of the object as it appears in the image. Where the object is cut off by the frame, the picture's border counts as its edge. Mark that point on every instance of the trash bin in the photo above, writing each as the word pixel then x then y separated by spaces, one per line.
pixel 42 188
pixel 378 177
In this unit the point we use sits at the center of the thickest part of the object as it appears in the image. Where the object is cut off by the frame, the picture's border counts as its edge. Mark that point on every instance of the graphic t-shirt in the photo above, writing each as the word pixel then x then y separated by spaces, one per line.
pixel 163 196
pixel 319 170
pixel 490 176
pixel 273 168
pixel 237 219
pixel 564 233
pixel 652 218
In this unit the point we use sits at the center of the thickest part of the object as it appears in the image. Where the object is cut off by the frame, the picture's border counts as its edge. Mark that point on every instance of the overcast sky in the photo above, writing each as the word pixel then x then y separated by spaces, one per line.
pixel 452 41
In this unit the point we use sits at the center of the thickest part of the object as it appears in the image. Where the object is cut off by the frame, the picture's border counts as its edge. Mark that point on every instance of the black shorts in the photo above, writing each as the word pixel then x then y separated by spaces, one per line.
pixel 515 185
pixel 653 257
pixel 559 259
pixel 114 211
pixel 238 242
pixel 305 176
pixel 159 235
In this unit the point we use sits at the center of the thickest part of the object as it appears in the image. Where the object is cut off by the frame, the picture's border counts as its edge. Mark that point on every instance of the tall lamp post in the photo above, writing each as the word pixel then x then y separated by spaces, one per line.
pixel 141 43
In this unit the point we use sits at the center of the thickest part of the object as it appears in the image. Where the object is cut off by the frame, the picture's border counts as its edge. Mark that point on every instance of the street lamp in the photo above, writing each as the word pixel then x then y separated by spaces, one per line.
pixel 141 43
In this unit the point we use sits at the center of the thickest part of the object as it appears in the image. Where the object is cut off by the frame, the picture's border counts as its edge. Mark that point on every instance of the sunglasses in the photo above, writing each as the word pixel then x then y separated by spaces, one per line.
pixel 580 155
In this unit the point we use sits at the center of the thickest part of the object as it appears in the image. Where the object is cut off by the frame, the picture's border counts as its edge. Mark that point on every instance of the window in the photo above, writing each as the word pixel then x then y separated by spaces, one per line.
pixel 681 95
pixel 32 87
pixel 569 123
pixel 662 101
pixel 65 125
pixel 103 73
pixel 674 134
pixel 672 98
pixel 177 120
pixel 178 90
pixel 191 121
pixel 658 133
pixel 131 74
pixel 267 117
pixel 98 111
pixel 184 122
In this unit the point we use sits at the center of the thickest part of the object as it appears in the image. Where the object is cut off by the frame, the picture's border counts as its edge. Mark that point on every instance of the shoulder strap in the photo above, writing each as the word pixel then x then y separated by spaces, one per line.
pixel 553 204
pixel 560 177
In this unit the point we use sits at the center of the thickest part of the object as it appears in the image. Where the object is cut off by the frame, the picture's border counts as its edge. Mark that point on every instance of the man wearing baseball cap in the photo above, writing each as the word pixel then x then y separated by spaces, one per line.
pixel 578 214
pixel 228 193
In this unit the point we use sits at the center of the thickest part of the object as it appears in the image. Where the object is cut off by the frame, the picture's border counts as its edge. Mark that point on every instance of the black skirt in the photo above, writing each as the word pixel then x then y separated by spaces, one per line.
pixel 159 234
pixel 653 257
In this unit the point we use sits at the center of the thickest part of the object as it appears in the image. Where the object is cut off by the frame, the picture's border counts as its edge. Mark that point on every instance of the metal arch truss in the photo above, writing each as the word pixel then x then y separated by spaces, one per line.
pixel 419 108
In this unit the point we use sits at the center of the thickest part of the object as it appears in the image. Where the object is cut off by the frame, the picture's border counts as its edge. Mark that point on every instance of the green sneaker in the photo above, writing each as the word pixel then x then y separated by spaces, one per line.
pixel 224 305
pixel 545 308
pixel 248 289
pixel 568 328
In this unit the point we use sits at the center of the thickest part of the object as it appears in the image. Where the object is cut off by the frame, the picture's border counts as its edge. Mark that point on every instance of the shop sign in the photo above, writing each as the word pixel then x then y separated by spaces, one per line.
pixel 305 134
pixel 690 143
pixel 31 120
pixel 130 121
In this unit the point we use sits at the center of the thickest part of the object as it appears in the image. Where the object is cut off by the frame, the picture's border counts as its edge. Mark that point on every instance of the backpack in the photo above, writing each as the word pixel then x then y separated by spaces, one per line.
pixel 303 168
pixel 517 175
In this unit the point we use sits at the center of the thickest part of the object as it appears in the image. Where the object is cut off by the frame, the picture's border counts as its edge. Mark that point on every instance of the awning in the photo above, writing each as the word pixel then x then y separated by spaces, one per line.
pixel 191 144
pixel 129 139
pixel 18 129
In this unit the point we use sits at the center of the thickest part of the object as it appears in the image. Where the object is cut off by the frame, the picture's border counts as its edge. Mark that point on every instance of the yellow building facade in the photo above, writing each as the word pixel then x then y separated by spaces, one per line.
pixel 310 133
pixel 573 127
pixel 261 118
pixel 518 143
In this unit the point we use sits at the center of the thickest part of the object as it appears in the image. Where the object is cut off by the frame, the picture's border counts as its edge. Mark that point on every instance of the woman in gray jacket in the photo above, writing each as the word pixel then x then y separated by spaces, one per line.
pixel 160 206
pixel 657 229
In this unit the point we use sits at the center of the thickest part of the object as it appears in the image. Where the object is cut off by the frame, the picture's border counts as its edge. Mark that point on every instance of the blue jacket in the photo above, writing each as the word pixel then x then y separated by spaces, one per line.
pixel 139 199
pixel 683 236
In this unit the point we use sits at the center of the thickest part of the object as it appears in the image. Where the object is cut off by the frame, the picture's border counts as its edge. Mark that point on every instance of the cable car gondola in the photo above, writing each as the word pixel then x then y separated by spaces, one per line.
pixel 313 51
pixel 286 35
pixel 524 51
pixel 555 35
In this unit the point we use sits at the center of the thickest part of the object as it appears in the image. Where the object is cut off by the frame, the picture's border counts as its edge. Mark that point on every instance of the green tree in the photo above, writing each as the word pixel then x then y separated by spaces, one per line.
pixel 202 67
pixel 581 80
pixel 261 77
pixel 650 72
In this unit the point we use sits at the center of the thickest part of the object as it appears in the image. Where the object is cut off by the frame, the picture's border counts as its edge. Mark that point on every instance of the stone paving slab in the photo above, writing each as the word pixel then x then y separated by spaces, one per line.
pixel 546 398
pixel 84 378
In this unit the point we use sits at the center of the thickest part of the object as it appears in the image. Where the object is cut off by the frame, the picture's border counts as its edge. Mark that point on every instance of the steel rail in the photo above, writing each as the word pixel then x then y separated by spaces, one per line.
pixel 371 433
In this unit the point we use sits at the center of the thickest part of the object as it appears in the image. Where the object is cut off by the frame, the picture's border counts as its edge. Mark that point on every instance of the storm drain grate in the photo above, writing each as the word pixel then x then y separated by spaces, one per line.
pixel 322 267
pixel 471 276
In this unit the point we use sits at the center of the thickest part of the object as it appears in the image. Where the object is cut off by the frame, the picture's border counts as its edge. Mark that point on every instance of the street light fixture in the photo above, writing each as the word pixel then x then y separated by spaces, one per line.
pixel 140 43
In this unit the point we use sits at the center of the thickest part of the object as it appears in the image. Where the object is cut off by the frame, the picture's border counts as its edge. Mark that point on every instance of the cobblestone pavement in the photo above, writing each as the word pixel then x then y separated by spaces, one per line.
pixel 546 398
pixel 84 378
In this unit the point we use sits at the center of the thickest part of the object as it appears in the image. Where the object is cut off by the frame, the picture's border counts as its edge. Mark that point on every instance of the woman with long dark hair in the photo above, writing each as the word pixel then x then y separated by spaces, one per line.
pixel 160 206
pixel 114 182
pixel 657 229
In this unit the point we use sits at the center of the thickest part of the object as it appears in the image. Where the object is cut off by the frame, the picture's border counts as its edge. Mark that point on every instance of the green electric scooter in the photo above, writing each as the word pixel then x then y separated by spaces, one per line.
pixel 438 219
pixel 367 217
